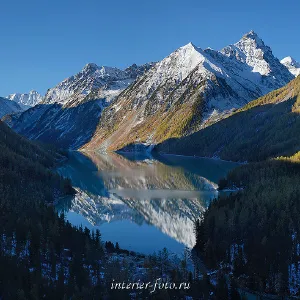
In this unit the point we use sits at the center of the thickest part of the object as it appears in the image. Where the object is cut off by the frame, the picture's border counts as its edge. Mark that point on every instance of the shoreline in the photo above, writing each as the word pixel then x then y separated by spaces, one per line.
pixel 164 154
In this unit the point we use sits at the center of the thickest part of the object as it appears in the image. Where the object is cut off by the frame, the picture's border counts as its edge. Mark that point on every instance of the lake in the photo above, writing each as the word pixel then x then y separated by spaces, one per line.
pixel 144 203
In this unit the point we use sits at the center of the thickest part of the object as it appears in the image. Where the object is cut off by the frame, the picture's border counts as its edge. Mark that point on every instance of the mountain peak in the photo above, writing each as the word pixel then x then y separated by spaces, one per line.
pixel 252 35
pixel 188 52
pixel 252 51
pixel 90 67
pixel 189 45
pixel 33 92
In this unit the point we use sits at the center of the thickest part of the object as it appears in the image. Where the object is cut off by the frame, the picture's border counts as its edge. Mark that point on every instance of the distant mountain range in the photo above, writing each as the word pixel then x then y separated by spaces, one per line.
pixel 104 108
pixel 31 99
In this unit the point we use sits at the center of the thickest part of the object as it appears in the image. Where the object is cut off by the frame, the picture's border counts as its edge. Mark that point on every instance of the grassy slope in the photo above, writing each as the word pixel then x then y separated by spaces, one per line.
pixel 264 128
pixel 135 124
pixel 171 111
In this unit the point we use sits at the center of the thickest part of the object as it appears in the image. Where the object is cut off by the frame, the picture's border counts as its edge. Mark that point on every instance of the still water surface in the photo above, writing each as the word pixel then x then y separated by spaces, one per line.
pixel 141 202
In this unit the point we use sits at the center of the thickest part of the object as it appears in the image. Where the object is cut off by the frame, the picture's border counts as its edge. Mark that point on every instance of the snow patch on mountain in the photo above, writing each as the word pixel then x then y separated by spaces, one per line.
pixel 292 65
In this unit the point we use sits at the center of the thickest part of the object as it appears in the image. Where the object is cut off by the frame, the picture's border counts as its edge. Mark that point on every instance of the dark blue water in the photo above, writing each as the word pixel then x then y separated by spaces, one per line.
pixel 141 202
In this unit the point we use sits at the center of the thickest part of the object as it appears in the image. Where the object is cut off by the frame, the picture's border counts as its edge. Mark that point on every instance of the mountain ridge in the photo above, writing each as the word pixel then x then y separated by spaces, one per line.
pixel 107 109
pixel 188 90
pixel 108 81
pixel 68 114
pixel 30 99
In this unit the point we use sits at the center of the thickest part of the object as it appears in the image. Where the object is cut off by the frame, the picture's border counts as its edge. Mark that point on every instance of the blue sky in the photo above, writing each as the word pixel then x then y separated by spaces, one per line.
pixel 43 42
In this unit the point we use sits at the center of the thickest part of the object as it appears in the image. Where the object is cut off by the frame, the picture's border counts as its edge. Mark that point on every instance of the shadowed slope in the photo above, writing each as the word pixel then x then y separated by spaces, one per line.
pixel 266 127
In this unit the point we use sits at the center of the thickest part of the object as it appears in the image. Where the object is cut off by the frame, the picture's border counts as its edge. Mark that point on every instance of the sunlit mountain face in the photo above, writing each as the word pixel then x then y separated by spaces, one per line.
pixel 145 203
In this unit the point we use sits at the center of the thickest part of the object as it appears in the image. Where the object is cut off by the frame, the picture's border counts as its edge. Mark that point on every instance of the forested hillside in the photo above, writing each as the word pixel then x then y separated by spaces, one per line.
pixel 33 239
pixel 25 169
pixel 264 128
pixel 255 232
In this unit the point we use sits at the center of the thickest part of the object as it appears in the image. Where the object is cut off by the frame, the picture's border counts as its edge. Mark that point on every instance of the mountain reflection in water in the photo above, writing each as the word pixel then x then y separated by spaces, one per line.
pixel 144 203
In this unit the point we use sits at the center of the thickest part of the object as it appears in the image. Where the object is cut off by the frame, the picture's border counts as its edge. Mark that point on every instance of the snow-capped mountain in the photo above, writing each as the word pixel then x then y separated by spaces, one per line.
pixel 8 107
pixel 144 105
pixel 104 82
pixel 69 112
pixel 30 99
pixel 292 65
pixel 252 52
pixel 188 90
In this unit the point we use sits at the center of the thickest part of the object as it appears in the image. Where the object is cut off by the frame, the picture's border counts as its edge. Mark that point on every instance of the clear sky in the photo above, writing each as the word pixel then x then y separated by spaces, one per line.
pixel 45 41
